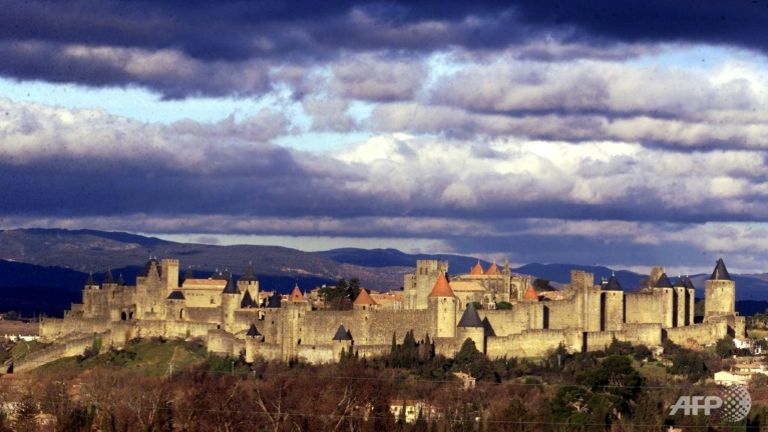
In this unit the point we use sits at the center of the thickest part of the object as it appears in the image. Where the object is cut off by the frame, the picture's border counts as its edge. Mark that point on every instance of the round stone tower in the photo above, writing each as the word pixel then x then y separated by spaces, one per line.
pixel 230 301
pixel 470 326
pixel 719 293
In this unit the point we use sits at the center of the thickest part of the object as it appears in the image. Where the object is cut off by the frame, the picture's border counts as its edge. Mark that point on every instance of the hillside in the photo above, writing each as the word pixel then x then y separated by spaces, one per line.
pixel 43 270
pixel 152 357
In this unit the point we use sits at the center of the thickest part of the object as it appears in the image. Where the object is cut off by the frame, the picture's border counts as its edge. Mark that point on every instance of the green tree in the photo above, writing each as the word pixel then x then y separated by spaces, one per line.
pixel 570 404
pixel 725 347
pixel 353 289
pixel 502 305
pixel 616 376
pixel 336 297
pixel 472 361
pixel 341 285
pixel 405 355
pixel 688 363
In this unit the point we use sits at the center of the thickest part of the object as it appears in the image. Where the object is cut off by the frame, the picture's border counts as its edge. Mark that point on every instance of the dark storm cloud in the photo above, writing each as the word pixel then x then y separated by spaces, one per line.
pixel 37 37
pixel 227 29
pixel 737 23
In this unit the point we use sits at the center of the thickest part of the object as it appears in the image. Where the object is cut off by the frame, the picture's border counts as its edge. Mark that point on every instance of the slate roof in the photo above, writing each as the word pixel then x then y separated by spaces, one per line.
pixel 680 282
pixel 253 331
pixel 470 318
pixel 689 283
pixel 120 280
pixel 489 331
pixel 613 284
pixel 247 301
pixel 275 300
pixel 176 295
pixel 342 334
pixel 151 263
pixel 231 287
pixel 663 282
pixel 108 278
pixel 90 281
pixel 720 272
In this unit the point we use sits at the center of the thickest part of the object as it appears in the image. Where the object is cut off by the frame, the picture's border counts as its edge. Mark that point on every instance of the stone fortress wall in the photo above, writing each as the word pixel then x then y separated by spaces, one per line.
pixel 232 319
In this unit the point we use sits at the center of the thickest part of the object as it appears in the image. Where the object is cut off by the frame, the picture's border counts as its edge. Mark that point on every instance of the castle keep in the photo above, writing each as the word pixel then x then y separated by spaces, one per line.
pixel 234 318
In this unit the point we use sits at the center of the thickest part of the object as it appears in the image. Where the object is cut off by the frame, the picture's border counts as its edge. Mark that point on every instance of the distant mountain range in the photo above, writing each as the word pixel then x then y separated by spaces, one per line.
pixel 43 270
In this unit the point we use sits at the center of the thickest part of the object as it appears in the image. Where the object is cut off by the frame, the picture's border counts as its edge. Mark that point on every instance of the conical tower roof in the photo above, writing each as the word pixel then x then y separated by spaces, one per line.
pixel 231 287
pixel 663 282
pixel 364 298
pixel 477 269
pixel 108 278
pixel 247 301
pixel 720 272
pixel 442 288
pixel 342 334
pixel 296 294
pixel 90 281
pixel 470 318
pixel 253 331
pixel 689 283
pixel 531 294
pixel 613 284
pixel 274 301
pixel 120 280
pixel 493 270
pixel 151 268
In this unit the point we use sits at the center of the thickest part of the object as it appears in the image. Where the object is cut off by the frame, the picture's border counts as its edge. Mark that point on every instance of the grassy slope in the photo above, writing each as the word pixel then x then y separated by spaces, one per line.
pixel 151 357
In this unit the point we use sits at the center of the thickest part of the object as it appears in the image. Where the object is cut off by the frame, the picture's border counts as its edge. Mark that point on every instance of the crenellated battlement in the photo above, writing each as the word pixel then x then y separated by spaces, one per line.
pixel 233 317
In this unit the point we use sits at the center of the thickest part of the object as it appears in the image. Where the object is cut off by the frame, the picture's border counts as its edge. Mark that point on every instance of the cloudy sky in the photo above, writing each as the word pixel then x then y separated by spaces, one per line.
pixel 624 133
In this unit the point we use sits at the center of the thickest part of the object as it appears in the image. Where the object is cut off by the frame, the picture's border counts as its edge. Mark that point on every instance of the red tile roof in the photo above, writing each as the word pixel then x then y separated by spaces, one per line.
pixel 477 269
pixel 296 294
pixel 493 270
pixel 442 288
pixel 364 298
pixel 531 294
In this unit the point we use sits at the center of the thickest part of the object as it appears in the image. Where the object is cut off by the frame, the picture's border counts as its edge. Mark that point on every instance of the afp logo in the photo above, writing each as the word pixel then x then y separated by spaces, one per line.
pixel 732 404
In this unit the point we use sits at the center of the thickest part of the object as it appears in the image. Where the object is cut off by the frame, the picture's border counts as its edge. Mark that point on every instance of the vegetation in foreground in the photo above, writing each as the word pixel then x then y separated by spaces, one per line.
pixel 622 388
